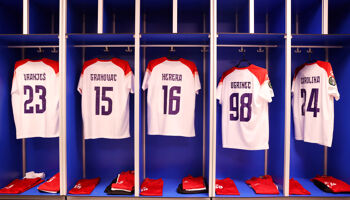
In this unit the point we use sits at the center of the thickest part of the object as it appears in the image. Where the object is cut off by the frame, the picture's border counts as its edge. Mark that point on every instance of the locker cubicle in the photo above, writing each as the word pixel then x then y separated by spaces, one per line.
pixel 319 36
pixel 171 157
pixel 92 158
pixel 264 47
pixel 41 40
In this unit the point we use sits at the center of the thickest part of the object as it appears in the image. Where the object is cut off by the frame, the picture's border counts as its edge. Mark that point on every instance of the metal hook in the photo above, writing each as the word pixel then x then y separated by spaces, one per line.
pixel 297 50
pixel 204 50
pixel 241 50
pixel 260 50
pixel 106 49
pixel 54 50
pixel 40 50
pixel 128 50
pixel 172 49
pixel 309 51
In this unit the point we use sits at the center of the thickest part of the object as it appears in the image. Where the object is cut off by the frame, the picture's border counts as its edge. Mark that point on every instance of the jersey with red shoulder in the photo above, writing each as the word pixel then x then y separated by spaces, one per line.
pixel 35 98
pixel 105 86
pixel 244 94
pixel 172 87
pixel 314 90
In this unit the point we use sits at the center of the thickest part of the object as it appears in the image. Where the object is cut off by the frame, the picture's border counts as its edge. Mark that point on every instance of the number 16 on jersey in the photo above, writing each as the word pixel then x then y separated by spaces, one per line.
pixel 174 100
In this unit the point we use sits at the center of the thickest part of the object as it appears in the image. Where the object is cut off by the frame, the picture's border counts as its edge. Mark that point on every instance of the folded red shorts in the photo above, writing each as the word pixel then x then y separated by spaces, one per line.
pixel 52 185
pixel 85 186
pixel 152 187
pixel 226 187
pixel 331 184
pixel 263 185
pixel 191 183
pixel 18 186
pixel 125 182
pixel 295 188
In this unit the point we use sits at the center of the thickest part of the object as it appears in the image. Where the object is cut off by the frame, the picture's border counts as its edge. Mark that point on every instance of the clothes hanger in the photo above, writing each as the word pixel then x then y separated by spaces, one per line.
pixel 240 64
pixel 171 55
pixel 39 54
pixel 106 55
pixel 311 60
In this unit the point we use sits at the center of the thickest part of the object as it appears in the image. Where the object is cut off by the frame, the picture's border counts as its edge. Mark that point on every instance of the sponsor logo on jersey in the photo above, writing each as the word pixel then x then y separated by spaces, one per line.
pixel 332 81
pixel 270 85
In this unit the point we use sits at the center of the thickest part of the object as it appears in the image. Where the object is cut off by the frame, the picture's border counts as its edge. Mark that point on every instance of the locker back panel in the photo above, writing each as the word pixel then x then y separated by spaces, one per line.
pixel 339 17
pixel 76 9
pixel 45 12
pixel 227 12
pixel 275 9
pixel 191 14
pixel 10 148
pixel 173 156
pixel 10 10
pixel 108 157
pixel 74 120
pixel 306 158
pixel 338 162
pixel 309 16
pixel 234 163
pixel 276 114
pixel 124 12
pixel 42 153
pixel 158 15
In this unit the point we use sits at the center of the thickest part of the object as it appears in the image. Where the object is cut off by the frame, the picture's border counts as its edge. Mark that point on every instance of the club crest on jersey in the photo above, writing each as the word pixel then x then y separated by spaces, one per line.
pixel 332 81
pixel 270 85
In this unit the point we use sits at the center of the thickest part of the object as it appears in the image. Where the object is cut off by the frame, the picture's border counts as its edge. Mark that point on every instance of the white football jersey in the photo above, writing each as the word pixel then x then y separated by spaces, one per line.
pixel 105 86
pixel 314 89
pixel 172 88
pixel 35 98
pixel 244 94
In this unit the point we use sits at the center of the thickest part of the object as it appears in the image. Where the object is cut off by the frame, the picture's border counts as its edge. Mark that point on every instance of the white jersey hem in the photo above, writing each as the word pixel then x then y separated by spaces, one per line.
pixel 88 138
pixel 37 136
pixel 172 134
pixel 245 148
pixel 317 142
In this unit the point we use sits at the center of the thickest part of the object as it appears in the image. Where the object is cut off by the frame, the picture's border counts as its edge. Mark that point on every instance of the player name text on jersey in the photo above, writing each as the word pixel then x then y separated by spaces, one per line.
pixel 172 77
pixel 103 77
pixel 309 80
pixel 241 85
pixel 35 77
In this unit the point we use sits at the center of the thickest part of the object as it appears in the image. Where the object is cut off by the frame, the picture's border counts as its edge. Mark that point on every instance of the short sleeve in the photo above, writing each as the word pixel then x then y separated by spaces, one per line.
pixel 130 82
pixel 293 87
pixel 219 92
pixel 266 91
pixel 15 100
pixel 146 80
pixel 80 84
pixel 197 83
pixel 332 85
